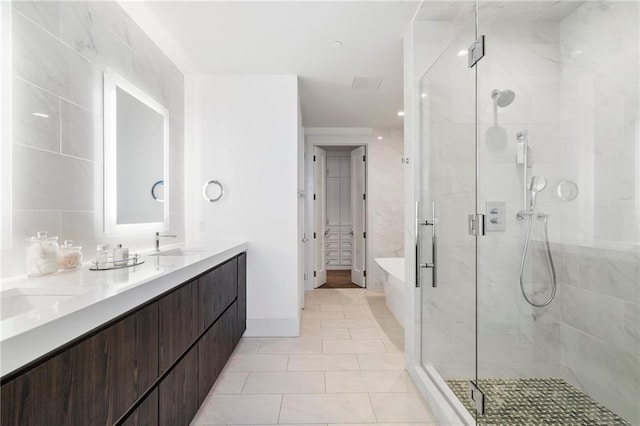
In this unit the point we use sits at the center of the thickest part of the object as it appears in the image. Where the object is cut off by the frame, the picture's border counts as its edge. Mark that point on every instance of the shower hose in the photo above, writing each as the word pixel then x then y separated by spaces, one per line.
pixel 544 218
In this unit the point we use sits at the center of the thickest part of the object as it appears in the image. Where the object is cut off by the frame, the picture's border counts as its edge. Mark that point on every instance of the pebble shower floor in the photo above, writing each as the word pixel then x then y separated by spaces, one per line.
pixel 535 402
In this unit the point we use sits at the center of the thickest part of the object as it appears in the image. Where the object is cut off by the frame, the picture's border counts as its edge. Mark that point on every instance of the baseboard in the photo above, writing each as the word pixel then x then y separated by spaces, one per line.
pixel 272 327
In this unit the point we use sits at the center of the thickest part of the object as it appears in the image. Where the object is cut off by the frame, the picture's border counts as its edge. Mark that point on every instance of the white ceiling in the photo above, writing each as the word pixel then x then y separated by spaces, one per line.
pixel 293 37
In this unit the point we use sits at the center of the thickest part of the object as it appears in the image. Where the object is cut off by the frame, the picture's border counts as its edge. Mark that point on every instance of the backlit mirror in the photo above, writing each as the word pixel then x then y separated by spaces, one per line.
pixel 136 159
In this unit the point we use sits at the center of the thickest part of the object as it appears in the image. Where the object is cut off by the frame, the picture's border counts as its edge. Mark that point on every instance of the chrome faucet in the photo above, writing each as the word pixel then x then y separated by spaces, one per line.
pixel 158 236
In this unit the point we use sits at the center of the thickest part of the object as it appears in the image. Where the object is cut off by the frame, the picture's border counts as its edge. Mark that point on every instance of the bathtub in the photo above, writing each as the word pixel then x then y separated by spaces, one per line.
pixel 394 286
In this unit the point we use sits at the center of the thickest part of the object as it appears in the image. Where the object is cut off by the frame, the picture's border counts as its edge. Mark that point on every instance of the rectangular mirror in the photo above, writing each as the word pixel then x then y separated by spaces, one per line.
pixel 136 160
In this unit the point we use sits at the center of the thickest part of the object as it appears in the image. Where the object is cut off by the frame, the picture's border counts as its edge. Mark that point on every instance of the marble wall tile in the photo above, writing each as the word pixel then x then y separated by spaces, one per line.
pixel 35 130
pixel 44 13
pixel 43 60
pixel 611 272
pixel 83 26
pixel 77 131
pixel 60 51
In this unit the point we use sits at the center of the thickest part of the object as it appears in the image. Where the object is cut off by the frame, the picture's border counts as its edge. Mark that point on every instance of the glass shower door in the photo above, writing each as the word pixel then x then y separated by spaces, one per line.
pixel 446 252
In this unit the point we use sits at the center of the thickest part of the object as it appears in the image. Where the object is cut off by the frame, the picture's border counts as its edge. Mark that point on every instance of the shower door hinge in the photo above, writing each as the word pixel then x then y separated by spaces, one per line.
pixel 476 397
pixel 314 273
pixel 364 273
pixel 476 51
pixel 476 224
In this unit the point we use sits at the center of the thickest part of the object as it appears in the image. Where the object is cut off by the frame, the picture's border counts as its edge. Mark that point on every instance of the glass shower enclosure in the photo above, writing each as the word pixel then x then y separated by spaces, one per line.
pixel 528 221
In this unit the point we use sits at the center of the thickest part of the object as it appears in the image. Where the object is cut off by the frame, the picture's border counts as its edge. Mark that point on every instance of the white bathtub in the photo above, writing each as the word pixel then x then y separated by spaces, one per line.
pixel 394 285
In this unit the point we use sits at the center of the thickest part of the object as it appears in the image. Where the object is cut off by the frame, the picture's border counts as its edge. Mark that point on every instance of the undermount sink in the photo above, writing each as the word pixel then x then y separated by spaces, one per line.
pixel 181 251
pixel 17 301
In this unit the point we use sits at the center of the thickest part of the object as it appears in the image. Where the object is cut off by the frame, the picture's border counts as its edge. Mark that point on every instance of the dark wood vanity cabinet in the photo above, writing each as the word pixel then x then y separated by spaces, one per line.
pixel 153 366
pixel 93 382
pixel 178 322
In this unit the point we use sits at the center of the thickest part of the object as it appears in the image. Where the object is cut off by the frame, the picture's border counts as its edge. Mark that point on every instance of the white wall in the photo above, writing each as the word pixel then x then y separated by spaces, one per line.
pixel 244 131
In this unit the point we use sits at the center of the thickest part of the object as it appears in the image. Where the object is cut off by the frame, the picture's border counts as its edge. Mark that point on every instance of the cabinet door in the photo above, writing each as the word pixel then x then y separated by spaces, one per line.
pixel 242 296
pixel 217 290
pixel 178 315
pixel 179 392
pixel 215 348
pixel 133 360
pixel 93 382
pixel 146 414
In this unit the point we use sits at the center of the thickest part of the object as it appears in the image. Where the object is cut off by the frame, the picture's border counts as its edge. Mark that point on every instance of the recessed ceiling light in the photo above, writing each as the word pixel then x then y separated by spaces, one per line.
pixel 462 53
pixel 379 138
pixel 424 95
pixel 400 113
pixel 39 114
pixel 337 44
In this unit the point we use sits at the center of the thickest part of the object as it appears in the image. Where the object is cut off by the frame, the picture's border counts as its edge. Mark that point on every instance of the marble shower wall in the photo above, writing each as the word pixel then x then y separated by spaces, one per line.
pixel 60 50
pixel 384 204
pixel 600 249
pixel 577 84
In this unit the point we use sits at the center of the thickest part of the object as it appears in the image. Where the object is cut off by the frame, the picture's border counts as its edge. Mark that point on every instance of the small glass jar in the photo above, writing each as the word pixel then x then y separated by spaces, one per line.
pixel 69 256
pixel 41 256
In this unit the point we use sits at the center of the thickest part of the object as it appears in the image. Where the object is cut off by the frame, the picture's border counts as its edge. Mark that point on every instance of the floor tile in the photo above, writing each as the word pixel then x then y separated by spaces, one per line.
pixel 394 345
pixel 324 362
pixel 239 409
pixel 353 346
pixel 337 408
pixel 322 314
pixel 290 346
pixel 247 345
pixel 368 381
pixel 388 361
pixel 310 323
pixel 230 383
pixel 324 333
pixel 375 333
pixel 347 323
pixel 358 314
pixel 400 407
pixel 329 307
pixel 257 362
pixel 387 323
pixel 284 382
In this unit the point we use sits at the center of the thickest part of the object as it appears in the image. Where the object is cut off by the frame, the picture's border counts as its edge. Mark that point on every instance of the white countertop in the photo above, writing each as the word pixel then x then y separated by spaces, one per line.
pixel 98 297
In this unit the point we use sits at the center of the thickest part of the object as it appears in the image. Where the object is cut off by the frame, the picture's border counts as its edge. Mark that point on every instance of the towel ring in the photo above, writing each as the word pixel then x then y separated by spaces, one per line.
pixel 153 191
pixel 205 191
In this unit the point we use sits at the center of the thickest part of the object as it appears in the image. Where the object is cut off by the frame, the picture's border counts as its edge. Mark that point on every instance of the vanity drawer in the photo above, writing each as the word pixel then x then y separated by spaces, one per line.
pixel 346 254
pixel 333 261
pixel 347 245
pixel 346 235
pixel 333 236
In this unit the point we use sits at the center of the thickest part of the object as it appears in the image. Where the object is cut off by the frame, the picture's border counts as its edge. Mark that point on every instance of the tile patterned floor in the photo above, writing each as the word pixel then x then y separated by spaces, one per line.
pixel 536 402
pixel 347 367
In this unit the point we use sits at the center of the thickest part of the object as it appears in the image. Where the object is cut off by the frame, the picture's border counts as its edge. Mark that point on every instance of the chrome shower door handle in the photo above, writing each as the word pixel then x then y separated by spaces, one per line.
pixel 434 245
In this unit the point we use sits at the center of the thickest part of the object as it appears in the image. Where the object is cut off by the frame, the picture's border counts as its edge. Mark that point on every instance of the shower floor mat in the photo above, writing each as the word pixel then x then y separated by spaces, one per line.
pixel 535 402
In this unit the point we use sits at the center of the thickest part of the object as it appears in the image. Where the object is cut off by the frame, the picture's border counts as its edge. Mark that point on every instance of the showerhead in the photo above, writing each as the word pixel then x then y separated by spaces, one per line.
pixel 503 98
pixel 537 184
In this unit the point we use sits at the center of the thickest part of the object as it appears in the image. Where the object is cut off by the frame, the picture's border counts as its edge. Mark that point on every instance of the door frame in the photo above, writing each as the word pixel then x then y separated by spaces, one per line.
pixel 327 137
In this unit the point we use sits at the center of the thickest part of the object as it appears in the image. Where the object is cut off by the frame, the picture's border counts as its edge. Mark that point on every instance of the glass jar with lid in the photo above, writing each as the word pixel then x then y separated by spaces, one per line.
pixel 69 256
pixel 42 253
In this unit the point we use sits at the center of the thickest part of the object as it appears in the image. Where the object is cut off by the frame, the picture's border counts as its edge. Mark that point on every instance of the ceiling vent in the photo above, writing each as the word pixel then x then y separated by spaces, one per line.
pixel 366 82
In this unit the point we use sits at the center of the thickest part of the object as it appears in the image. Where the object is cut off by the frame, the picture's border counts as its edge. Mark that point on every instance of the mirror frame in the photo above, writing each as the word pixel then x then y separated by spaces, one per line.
pixel 110 208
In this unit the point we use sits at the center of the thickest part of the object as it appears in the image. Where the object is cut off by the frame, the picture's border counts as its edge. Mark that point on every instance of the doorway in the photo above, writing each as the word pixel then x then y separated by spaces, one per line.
pixel 339 208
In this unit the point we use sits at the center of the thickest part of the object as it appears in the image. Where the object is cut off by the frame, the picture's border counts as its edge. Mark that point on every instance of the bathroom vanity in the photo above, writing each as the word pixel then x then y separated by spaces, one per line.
pixel 170 329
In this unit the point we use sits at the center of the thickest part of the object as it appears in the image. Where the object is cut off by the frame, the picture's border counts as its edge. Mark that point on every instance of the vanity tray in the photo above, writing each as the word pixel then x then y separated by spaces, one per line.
pixel 134 260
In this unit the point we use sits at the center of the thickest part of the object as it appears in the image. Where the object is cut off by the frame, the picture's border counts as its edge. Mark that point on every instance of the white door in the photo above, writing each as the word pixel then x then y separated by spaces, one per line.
pixel 319 214
pixel 358 214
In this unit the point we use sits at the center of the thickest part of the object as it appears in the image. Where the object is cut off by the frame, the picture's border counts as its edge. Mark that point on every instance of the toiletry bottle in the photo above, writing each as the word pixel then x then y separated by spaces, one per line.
pixel 102 254
pixel 41 256
pixel 120 256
